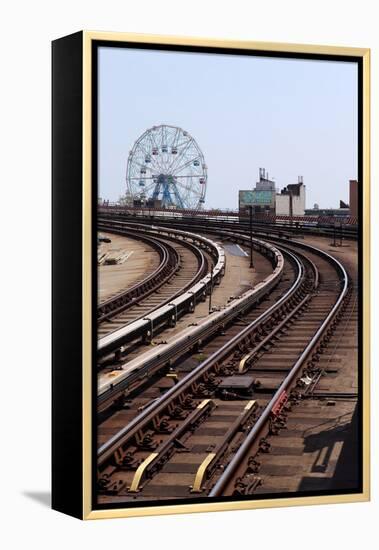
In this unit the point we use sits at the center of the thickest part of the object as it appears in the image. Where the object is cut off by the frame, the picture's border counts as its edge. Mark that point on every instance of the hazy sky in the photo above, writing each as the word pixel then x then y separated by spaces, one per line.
pixel 292 117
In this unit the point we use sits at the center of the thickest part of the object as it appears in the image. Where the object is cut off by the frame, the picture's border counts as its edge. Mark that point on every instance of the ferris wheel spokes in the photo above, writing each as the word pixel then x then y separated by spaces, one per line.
pixel 166 164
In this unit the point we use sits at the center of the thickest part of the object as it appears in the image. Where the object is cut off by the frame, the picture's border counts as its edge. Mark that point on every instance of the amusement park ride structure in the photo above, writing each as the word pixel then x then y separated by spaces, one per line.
pixel 167 165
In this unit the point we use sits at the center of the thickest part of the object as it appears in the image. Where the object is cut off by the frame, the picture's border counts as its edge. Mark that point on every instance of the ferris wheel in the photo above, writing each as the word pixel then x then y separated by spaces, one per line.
pixel 167 164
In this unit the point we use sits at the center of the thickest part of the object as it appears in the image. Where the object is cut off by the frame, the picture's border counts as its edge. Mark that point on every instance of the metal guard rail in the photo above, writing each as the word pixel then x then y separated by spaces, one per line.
pixel 240 455
pixel 177 307
pixel 169 264
pixel 224 316
pixel 216 319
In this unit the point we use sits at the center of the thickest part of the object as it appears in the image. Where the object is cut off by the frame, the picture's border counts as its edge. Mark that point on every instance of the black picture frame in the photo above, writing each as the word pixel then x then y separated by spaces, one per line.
pixel 74 207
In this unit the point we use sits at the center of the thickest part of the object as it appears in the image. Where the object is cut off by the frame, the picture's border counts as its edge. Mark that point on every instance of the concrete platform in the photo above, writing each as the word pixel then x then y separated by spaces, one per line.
pixel 238 278
pixel 140 260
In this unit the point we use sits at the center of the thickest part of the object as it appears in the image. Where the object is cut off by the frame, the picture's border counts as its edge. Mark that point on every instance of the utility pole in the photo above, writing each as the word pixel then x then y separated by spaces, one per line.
pixel 251 235
pixel 334 233
pixel 210 291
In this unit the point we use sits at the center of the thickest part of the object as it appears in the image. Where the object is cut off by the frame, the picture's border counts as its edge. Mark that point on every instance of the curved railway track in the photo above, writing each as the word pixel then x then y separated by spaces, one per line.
pixel 181 265
pixel 181 284
pixel 234 398
pixel 282 385
pixel 338 231
pixel 169 264
pixel 136 372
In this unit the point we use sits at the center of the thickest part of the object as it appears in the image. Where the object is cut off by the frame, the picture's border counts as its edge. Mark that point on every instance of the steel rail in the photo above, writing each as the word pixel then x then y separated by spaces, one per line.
pixel 166 272
pixel 228 475
pixel 284 242
pixel 177 306
pixel 347 231
pixel 137 369
pixel 169 264
pixel 289 377
pixel 208 246
pixel 159 405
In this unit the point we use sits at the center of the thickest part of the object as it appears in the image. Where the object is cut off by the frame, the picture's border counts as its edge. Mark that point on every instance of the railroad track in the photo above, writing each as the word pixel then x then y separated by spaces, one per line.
pixel 169 263
pixel 284 384
pixel 289 229
pixel 157 361
pixel 182 265
pixel 185 282
pixel 318 449
pixel 171 437
pixel 180 393
pixel 324 452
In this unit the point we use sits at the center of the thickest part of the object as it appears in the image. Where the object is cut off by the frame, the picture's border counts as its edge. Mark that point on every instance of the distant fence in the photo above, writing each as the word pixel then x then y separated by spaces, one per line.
pixel 226 214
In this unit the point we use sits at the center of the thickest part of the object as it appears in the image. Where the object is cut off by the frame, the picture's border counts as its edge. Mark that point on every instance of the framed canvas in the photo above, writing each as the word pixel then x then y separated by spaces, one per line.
pixel 210 319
